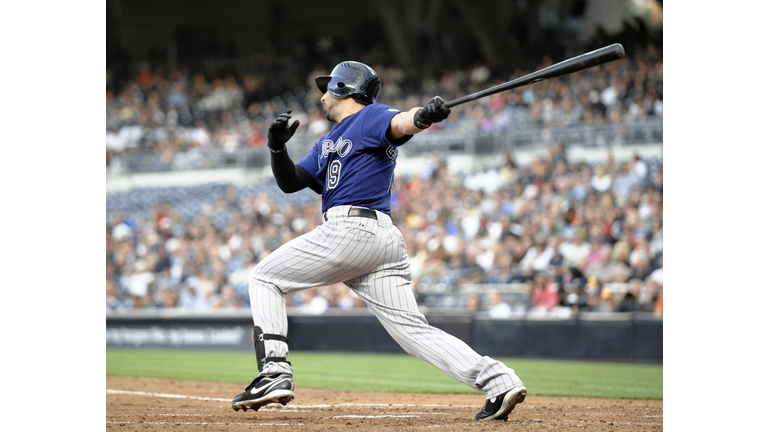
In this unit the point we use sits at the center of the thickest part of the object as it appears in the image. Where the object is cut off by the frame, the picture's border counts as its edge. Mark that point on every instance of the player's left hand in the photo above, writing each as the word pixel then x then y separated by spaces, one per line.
pixel 434 111
pixel 280 132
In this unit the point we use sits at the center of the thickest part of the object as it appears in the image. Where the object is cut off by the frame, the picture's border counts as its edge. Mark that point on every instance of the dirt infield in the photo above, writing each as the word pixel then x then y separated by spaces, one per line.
pixel 143 404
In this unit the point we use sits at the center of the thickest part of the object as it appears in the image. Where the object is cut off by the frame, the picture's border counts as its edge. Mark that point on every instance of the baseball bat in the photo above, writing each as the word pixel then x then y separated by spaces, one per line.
pixel 565 67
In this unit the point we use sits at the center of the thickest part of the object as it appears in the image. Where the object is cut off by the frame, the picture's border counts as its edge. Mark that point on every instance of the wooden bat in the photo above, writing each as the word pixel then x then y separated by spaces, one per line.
pixel 565 67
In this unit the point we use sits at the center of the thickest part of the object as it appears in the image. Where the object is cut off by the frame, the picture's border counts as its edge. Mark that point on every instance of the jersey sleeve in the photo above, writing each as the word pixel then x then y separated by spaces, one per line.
pixel 377 120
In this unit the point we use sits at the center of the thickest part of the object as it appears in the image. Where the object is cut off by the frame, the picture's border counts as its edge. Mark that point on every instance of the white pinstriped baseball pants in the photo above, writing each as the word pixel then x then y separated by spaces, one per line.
pixel 370 257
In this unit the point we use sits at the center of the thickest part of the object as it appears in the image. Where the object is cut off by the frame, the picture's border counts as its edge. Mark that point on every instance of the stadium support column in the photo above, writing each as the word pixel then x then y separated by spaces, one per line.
pixel 395 32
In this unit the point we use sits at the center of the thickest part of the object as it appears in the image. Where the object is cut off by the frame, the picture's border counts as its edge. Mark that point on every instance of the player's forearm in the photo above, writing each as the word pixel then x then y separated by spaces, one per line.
pixel 417 119
pixel 402 124
pixel 288 176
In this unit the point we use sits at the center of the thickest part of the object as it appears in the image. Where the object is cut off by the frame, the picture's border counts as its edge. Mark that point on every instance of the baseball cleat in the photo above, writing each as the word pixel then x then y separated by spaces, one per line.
pixel 499 407
pixel 265 390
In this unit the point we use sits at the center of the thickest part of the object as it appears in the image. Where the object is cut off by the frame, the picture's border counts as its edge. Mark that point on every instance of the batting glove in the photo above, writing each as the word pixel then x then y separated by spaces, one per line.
pixel 280 132
pixel 434 111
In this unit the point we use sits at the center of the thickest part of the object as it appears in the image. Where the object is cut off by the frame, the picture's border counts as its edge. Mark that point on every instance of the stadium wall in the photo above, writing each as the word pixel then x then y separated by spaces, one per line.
pixel 406 164
pixel 607 336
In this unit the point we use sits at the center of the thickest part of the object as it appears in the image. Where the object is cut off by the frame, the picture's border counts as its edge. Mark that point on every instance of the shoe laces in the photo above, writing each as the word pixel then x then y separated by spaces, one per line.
pixel 259 378
pixel 253 383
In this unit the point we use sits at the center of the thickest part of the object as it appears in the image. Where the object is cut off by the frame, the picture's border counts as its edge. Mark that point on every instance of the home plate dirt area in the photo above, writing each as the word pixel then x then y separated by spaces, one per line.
pixel 150 404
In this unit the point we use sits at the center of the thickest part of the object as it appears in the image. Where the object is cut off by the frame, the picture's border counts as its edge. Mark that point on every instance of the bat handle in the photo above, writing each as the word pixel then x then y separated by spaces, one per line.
pixel 452 103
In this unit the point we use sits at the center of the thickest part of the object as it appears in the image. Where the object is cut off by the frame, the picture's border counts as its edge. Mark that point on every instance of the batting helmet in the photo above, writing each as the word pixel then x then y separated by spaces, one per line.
pixel 349 78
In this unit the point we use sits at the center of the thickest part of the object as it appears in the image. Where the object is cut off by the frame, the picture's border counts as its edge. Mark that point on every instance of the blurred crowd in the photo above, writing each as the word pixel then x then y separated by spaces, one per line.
pixel 577 236
pixel 170 111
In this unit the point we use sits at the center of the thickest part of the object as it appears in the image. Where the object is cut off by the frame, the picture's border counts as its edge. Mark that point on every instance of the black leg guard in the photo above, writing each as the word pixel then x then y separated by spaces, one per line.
pixel 261 353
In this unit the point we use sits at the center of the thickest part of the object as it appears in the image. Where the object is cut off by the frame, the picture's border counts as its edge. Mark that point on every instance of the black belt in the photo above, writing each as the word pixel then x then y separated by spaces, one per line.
pixel 359 212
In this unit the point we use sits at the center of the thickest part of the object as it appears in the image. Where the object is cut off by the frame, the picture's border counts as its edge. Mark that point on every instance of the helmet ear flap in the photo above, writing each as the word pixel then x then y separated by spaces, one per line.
pixel 375 89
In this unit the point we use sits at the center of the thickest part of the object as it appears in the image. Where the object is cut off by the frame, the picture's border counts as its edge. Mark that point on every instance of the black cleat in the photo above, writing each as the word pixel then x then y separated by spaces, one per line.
pixel 265 390
pixel 498 408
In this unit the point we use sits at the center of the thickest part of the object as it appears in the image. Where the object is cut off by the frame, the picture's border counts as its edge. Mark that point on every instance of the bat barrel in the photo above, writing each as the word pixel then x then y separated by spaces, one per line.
pixel 576 64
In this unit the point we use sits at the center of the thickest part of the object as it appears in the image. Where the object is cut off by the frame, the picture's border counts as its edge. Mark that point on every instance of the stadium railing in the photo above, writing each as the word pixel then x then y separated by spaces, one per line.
pixel 497 141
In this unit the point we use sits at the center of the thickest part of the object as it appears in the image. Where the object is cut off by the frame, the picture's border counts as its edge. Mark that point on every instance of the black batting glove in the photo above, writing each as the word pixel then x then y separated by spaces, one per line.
pixel 279 131
pixel 434 111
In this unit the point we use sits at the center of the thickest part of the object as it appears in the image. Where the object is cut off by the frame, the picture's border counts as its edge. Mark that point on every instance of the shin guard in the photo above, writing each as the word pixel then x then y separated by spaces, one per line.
pixel 261 353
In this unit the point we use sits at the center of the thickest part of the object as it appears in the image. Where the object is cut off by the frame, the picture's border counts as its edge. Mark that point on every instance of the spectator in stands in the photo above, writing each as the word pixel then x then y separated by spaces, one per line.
pixel 227 299
pixel 657 276
pixel 555 266
pixel 603 266
pixel 577 297
pixel 640 266
pixel 497 307
pixel 659 305
pixel 630 300
pixel 312 303
pixel 338 297
pixel 434 269
pixel 508 172
pixel 625 182
pixel 137 283
pixel 192 298
pixel 472 272
pixel 616 270
pixel 472 302
pixel 606 304
pixel 538 257
pixel 639 169
pixel 596 252
pixel 649 295
pixel 544 294
pixel 576 249
pixel 593 303
pixel 601 181
pixel 500 271
pixel 113 303
pixel 168 297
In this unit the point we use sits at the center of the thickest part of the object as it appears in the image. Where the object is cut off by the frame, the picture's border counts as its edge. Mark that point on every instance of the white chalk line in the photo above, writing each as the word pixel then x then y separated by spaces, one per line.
pixel 375 416
pixel 168 396
pixel 205 423
pixel 292 406
pixel 413 405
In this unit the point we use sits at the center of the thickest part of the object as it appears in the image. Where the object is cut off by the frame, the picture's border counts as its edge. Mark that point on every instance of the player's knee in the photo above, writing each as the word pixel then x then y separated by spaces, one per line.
pixel 253 276
pixel 258 280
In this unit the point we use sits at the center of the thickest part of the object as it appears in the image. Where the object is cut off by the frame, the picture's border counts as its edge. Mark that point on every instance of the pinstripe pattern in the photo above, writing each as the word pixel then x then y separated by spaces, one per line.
pixel 370 257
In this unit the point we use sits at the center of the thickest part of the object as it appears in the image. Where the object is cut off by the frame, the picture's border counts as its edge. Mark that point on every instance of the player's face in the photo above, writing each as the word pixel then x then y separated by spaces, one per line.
pixel 330 106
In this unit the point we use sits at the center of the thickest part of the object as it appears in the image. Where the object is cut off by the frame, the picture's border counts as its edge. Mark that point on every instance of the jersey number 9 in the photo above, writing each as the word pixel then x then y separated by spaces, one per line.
pixel 332 175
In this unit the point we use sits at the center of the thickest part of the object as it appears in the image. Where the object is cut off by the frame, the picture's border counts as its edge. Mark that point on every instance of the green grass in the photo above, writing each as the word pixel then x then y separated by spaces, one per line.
pixel 391 373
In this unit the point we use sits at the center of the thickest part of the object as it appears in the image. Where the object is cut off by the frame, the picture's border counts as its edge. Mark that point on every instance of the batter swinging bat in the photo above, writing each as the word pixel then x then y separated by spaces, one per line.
pixel 565 67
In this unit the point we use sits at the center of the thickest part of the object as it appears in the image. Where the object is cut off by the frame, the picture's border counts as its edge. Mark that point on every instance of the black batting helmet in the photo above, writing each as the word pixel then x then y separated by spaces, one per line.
pixel 349 78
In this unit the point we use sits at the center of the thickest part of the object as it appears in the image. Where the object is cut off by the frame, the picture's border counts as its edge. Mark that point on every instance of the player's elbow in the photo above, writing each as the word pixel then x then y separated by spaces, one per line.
pixel 296 180
pixel 288 187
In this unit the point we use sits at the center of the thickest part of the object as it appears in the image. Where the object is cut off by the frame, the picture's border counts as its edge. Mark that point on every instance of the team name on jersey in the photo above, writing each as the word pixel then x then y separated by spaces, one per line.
pixel 342 147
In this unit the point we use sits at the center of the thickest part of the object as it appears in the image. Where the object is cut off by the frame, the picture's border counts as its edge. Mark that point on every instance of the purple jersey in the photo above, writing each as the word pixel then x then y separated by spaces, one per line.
pixel 354 163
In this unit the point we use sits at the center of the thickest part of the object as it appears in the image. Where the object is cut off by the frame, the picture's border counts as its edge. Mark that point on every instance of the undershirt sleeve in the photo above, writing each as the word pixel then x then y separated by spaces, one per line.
pixel 290 177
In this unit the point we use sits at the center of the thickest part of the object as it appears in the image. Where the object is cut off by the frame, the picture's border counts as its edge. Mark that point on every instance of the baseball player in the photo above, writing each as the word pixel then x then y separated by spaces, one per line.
pixel 353 168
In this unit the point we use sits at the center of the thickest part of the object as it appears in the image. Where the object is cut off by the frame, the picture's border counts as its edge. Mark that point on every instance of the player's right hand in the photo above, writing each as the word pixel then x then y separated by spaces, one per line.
pixel 433 112
pixel 280 132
